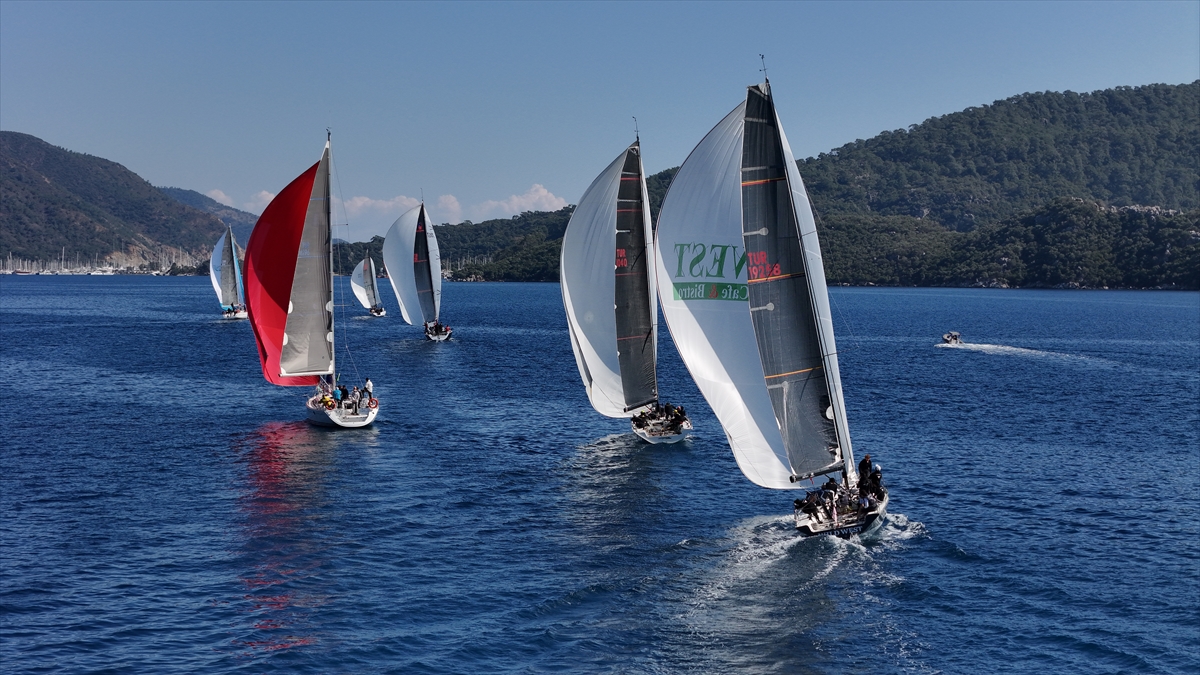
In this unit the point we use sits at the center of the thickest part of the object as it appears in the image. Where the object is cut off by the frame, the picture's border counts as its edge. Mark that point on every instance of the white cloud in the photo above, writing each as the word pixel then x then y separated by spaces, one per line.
pixel 365 206
pixel 537 198
pixel 218 196
pixel 258 202
pixel 448 209
pixel 360 218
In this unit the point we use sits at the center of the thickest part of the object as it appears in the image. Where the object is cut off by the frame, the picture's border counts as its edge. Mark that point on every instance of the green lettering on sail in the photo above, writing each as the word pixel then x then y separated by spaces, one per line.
pixel 699 290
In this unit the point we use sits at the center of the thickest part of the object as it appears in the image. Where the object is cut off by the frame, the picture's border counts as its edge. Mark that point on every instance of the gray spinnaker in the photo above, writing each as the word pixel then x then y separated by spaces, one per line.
pixel 783 285
pixel 308 335
pixel 636 343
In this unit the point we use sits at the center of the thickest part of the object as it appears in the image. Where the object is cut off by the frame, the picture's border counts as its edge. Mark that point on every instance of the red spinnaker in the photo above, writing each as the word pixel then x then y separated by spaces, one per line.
pixel 270 268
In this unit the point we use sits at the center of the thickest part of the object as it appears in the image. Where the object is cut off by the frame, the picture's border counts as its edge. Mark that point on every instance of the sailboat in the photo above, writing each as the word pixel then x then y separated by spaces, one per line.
pixel 289 296
pixel 743 292
pixel 362 281
pixel 611 301
pixel 410 253
pixel 225 271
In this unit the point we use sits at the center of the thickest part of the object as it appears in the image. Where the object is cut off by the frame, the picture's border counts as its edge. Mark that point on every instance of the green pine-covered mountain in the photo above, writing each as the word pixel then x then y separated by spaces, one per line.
pixel 51 199
pixel 1124 147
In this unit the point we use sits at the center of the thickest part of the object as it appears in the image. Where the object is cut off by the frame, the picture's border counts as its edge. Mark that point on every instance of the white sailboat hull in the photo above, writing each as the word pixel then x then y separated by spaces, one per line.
pixel 236 315
pixel 846 526
pixel 319 415
pixel 657 434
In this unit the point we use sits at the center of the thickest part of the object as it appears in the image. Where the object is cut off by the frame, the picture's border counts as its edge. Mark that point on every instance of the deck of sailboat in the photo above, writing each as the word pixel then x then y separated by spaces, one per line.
pixel 851 523
pixel 319 415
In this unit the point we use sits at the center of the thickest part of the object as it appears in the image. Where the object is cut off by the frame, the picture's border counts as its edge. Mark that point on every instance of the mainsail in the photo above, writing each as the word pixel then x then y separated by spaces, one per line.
pixel 362 282
pixel 745 298
pixel 289 285
pixel 612 307
pixel 224 270
pixel 414 265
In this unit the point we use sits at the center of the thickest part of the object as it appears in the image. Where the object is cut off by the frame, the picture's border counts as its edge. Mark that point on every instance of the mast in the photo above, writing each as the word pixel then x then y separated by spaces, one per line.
pixel 332 306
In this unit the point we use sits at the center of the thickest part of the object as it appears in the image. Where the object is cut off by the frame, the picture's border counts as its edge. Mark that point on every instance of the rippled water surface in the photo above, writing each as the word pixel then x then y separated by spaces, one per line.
pixel 162 509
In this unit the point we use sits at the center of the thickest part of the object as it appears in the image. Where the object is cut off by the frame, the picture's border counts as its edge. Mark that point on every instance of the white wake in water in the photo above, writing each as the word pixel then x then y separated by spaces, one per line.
pixel 1005 350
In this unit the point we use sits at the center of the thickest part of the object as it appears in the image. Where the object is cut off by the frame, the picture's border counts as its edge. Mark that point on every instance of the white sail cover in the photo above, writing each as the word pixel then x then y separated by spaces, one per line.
pixel 400 258
pixel 362 282
pixel 702 266
pixel 587 278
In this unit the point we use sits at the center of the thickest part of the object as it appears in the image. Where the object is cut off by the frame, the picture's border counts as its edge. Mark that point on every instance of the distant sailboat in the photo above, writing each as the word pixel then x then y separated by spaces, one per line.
pixel 743 292
pixel 410 253
pixel 362 281
pixel 609 294
pixel 289 295
pixel 225 271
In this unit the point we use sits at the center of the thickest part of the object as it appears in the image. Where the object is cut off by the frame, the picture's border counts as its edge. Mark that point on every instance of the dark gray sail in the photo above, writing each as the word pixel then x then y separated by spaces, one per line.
pixel 229 271
pixel 635 327
pixel 422 270
pixel 781 310
pixel 308 335
pixel 372 286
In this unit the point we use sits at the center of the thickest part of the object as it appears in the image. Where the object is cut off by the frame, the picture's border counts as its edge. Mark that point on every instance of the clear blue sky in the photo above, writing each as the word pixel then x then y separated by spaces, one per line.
pixel 475 104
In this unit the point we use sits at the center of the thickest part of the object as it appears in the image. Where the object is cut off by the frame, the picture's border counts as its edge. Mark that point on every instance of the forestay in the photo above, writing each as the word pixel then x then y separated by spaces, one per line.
pixel 608 288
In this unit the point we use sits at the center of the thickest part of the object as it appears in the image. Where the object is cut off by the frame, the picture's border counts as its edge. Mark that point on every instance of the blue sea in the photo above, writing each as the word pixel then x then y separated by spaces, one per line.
pixel 164 510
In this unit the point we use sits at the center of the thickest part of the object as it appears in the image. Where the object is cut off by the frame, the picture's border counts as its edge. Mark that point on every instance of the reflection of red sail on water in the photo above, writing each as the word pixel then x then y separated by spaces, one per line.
pixel 283 549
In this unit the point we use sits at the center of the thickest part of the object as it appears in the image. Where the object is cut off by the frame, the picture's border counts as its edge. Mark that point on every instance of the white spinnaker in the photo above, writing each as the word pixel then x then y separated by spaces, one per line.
pixel 214 270
pixel 358 281
pixel 435 267
pixel 715 337
pixel 819 293
pixel 586 270
pixel 398 258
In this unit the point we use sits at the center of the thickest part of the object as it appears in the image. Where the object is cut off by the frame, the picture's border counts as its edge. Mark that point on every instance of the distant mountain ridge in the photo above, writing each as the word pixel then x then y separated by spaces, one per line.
pixel 52 198
pixel 1043 189
pixel 242 222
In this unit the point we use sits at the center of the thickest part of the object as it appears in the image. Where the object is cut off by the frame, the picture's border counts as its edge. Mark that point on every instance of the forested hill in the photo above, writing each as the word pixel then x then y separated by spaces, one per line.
pixel 1125 146
pixel 242 222
pixel 1045 189
pixel 51 198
